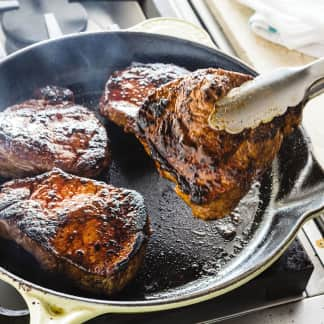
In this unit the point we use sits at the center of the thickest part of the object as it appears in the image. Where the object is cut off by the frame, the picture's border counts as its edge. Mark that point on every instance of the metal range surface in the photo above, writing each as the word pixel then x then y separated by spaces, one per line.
pixel 188 260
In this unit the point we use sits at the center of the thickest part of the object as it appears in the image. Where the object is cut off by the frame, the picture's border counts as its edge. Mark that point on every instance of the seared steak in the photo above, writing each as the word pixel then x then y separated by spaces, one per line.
pixel 93 233
pixel 127 89
pixel 212 169
pixel 51 131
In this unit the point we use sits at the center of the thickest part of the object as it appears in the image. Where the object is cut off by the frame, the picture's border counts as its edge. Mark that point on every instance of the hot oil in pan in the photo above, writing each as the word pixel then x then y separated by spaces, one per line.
pixel 181 248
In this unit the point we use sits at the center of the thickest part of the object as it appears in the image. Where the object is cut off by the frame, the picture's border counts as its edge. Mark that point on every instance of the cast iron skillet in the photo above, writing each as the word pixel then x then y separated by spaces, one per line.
pixel 188 260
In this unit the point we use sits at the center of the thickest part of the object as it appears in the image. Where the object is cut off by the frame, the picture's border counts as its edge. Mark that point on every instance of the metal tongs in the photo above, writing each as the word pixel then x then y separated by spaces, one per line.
pixel 267 96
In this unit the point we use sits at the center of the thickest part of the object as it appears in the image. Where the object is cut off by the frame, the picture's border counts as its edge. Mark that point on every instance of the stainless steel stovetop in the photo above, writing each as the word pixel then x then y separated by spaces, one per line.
pixel 307 307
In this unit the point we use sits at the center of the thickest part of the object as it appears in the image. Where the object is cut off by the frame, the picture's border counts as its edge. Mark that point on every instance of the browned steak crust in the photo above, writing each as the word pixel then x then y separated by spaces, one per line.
pixel 93 233
pixel 126 90
pixel 51 131
pixel 213 170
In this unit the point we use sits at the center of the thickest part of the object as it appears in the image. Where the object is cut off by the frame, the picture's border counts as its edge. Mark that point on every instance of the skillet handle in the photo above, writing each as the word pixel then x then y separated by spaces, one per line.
pixel 308 207
pixel 306 200
pixel 49 308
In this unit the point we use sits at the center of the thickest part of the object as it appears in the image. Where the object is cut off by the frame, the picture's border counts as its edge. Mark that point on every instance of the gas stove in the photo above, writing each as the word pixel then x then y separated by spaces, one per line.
pixel 28 21
pixel 297 275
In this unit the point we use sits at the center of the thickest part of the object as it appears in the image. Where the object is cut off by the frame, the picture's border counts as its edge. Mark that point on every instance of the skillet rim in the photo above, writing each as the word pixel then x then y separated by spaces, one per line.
pixel 191 297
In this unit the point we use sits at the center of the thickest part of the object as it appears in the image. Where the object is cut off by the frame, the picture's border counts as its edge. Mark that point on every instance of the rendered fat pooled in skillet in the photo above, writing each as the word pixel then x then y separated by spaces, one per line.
pixel 51 131
pixel 93 233
pixel 212 169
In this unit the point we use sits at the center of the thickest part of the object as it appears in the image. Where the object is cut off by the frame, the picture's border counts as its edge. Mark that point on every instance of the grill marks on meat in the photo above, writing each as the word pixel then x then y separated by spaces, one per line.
pixel 212 169
pixel 126 90
pixel 92 232
pixel 51 131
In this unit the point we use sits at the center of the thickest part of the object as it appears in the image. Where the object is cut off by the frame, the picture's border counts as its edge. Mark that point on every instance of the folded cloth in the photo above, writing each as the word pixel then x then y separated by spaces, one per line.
pixel 296 24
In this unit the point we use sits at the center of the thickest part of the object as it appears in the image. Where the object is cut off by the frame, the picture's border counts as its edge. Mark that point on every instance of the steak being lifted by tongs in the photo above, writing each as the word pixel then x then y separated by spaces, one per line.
pixel 212 169
pixel 51 131
pixel 93 233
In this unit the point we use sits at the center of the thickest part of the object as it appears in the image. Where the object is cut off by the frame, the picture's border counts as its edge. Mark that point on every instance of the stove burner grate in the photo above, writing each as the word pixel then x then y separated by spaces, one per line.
pixel 34 20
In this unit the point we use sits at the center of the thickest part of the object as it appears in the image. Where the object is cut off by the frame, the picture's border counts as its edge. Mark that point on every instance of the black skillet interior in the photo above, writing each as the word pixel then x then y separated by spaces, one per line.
pixel 183 251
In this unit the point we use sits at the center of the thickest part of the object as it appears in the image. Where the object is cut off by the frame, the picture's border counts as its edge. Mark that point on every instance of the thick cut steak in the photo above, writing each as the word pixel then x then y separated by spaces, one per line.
pixel 51 131
pixel 93 233
pixel 212 169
